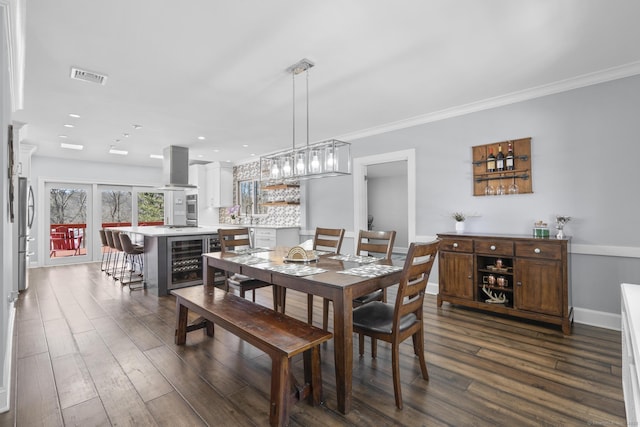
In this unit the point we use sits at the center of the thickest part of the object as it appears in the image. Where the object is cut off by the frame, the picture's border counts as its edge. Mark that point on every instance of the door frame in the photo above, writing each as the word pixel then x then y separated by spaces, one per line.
pixel 360 165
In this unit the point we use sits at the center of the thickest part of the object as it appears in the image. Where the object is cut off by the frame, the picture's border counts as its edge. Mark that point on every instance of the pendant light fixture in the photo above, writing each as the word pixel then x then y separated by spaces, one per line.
pixel 317 160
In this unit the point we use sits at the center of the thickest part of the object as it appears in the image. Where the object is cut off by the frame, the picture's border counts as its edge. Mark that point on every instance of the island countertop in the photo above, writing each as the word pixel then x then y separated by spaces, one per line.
pixel 164 231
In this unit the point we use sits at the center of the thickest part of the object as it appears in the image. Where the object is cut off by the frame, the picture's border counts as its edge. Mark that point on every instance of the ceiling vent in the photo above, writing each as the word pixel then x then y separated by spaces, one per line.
pixel 88 76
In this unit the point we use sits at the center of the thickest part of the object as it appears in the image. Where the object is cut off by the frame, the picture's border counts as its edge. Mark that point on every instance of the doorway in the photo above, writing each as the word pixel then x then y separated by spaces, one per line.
pixel 400 168
pixel 68 218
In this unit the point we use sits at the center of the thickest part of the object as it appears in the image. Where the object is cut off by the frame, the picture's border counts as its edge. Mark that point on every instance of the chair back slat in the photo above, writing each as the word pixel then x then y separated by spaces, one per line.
pixel 231 239
pixel 414 279
pixel 328 239
pixel 376 242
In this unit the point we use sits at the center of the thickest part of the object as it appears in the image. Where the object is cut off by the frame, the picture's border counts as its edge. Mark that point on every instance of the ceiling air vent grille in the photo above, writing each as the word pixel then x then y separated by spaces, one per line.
pixel 88 76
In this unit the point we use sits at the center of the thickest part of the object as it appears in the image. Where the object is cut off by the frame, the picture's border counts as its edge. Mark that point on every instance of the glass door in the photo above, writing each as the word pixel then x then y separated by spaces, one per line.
pixel 69 223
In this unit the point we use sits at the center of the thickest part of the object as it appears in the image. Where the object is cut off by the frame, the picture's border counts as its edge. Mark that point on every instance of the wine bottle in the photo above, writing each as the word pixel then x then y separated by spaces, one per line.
pixel 500 159
pixel 491 161
pixel 509 159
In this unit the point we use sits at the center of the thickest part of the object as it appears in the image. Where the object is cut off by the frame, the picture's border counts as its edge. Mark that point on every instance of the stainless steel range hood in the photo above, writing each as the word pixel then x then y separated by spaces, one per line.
pixel 175 168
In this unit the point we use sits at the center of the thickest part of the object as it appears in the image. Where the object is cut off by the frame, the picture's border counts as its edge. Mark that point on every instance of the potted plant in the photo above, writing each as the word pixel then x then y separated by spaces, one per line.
pixel 459 217
pixel 561 221
pixel 234 213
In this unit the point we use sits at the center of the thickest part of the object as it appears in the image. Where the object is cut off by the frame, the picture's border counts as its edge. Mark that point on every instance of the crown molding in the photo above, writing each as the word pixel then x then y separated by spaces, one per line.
pixel 583 80
pixel 13 13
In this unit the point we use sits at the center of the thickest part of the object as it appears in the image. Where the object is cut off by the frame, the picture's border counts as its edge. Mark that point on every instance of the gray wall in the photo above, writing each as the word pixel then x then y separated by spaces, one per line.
pixel 585 154
pixel 387 202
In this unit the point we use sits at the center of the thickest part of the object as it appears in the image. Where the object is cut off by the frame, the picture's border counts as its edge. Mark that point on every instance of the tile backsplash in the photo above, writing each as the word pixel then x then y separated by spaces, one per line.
pixel 276 215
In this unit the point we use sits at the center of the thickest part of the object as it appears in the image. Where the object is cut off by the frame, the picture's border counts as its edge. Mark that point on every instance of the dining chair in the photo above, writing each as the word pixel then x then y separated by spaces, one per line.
pixel 238 238
pixel 396 322
pixel 372 243
pixel 325 239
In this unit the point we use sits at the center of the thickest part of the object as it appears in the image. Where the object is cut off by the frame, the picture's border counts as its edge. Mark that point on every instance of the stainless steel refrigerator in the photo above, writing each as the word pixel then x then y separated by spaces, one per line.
pixel 26 211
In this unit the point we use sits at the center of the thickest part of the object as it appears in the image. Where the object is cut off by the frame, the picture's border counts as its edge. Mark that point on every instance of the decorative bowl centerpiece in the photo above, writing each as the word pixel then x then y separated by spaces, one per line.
pixel 299 254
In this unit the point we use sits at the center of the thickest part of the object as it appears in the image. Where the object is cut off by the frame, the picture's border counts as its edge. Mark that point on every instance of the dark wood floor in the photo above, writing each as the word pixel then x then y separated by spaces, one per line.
pixel 88 352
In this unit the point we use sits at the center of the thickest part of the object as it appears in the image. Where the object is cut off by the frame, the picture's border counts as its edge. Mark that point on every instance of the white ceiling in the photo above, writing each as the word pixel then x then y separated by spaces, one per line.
pixel 217 68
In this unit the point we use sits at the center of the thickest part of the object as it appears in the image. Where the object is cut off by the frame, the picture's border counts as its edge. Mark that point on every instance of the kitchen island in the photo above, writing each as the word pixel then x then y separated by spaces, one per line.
pixel 173 254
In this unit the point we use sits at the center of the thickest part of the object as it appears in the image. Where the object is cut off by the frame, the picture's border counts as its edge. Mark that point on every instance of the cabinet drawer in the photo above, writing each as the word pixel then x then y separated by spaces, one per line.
pixel 268 233
pixel 494 247
pixel 456 245
pixel 544 250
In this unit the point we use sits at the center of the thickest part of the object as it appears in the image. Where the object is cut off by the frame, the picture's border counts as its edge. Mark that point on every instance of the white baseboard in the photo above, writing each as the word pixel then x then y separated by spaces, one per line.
pixel 600 319
pixel 583 316
pixel 5 388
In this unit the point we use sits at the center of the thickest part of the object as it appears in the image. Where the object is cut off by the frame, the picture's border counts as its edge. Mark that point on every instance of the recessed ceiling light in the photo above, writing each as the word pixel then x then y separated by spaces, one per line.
pixel 62 136
pixel 71 146
pixel 245 145
pixel 126 135
pixel 75 116
pixel 201 138
pixel 200 156
pixel 68 125
pixel 156 156
pixel 136 127
pixel 216 150
pixel 119 152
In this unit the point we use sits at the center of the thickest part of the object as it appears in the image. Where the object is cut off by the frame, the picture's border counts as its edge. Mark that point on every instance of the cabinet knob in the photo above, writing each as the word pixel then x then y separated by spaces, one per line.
pixel 455 245
pixel 519 283
pixel 492 247
pixel 537 250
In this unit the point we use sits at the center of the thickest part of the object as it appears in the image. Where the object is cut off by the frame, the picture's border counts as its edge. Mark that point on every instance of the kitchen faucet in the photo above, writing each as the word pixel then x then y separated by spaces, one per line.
pixel 248 212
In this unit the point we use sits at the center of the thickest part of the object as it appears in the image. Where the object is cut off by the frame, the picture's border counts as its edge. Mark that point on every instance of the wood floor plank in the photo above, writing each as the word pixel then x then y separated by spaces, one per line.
pixel 59 338
pixel 212 407
pixel 119 397
pixel 172 410
pixel 37 400
pixel 90 413
pixel 146 379
pixel 73 382
pixel 485 369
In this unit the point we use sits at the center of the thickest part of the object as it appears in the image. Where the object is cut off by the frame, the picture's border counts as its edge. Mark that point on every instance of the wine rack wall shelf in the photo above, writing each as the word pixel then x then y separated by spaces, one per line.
pixel 520 175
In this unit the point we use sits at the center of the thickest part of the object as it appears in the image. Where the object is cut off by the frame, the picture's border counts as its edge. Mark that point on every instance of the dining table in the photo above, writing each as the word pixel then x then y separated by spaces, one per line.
pixel 339 278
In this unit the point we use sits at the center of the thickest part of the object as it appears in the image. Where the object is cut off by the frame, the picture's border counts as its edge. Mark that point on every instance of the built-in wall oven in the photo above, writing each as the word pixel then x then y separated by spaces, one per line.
pixel 192 210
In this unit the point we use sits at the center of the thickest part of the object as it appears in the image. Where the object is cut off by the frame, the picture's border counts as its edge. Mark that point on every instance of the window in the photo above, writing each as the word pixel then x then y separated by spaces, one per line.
pixel 250 198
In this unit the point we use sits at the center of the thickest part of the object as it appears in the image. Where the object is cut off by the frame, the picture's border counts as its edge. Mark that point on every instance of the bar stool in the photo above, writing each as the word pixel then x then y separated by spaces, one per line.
pixel 106 251
pixel 118 246
pixel 112 250
pixel 133 253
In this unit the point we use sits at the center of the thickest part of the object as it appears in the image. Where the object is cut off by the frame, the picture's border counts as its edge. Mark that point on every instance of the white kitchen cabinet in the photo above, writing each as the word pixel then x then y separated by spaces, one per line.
pixel 215 184
pixel 264 237
pixel 219 185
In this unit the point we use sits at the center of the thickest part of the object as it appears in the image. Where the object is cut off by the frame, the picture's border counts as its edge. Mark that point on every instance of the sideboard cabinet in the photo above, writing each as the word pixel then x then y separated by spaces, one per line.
pixel 515 275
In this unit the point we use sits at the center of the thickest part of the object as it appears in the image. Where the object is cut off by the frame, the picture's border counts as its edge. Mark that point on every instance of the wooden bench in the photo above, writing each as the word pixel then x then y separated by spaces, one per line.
pixel 278 335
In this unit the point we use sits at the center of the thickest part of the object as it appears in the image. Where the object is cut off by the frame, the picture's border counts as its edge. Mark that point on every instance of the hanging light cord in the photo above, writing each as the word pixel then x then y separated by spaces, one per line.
pixel 293 81
pixel 307 73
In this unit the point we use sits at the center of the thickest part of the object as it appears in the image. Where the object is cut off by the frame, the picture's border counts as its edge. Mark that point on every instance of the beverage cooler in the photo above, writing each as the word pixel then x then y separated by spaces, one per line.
pixel 185 259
